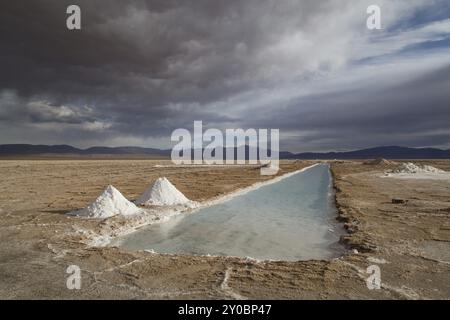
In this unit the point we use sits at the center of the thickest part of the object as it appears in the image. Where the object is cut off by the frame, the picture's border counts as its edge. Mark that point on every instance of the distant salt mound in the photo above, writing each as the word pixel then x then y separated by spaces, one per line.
pixel 411 168
pixel 162 193
pixel 379 161
pixel 110 203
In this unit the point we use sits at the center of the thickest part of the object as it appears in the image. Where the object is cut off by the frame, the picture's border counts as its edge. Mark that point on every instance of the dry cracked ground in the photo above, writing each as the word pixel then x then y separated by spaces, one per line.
pixel 409 242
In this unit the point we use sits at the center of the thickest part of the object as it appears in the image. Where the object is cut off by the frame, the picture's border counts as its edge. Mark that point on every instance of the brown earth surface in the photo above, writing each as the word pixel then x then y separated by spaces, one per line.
pixel 409 242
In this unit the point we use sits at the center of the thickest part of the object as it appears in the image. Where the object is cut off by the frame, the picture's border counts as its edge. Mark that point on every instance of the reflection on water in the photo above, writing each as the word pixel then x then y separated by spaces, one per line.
pixel 289 220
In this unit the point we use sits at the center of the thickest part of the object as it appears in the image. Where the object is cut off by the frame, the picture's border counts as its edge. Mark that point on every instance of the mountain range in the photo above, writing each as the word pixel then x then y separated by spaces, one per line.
pixel 388 152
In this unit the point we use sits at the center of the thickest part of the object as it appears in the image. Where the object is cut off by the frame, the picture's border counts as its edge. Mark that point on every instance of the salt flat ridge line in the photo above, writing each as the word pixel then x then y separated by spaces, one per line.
pixel 404 291
pixel 134 287
pixel 226 288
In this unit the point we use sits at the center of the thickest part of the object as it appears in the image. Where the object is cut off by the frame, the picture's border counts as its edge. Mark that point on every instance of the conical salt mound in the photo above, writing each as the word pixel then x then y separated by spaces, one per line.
pixel 110 203
pixel 162 193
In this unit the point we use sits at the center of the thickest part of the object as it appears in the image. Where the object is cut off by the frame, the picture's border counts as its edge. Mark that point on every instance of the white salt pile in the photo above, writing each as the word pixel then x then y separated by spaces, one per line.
pixel 412 171
pixel 110 203
pixel 411 168
pixel 162 193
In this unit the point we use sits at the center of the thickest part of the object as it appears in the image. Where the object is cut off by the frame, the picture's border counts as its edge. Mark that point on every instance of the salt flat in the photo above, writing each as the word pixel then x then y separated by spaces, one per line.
pixel 39 240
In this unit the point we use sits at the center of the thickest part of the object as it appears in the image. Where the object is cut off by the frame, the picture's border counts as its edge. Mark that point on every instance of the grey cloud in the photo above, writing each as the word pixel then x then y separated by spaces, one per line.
pixel 139 69
pixel 415 113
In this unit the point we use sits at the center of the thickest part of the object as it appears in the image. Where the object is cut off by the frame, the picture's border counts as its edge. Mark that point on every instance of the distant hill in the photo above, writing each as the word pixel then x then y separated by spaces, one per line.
pixel 28 149
pixel 126 150
pixel 390 152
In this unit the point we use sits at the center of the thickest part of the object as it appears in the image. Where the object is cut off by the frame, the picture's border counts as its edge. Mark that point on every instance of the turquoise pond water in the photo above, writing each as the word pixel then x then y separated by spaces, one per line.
pixel 293 219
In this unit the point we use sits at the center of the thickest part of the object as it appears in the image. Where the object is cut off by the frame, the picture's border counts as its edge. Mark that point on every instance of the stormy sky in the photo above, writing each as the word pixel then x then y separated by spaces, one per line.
pixel 139 69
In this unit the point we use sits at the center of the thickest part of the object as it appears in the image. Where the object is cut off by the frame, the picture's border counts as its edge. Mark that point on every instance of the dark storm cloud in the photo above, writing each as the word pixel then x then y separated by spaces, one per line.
pixel 132 60
pixel 139 69
pixel 414 113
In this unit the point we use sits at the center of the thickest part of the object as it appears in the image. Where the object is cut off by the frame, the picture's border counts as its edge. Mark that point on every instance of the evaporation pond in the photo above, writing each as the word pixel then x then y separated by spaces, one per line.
pixel 293 219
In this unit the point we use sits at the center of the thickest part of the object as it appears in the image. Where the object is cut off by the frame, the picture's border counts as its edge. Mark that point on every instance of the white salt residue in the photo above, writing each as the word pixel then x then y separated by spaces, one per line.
pixel 110 203
pixel 376 260
pixel 162 193
pixel 411 170
pixel 224 286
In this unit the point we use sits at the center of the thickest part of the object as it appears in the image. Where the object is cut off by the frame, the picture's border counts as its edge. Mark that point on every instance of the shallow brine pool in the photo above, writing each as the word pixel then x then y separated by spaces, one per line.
pixel 293 219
